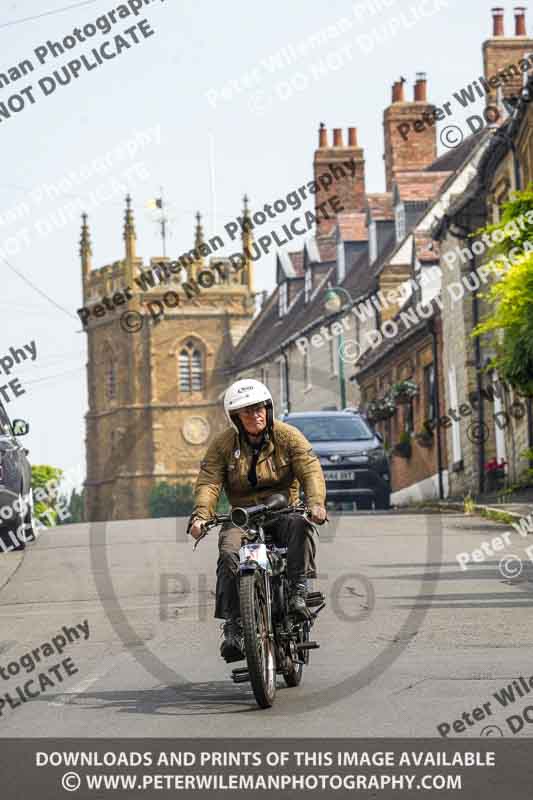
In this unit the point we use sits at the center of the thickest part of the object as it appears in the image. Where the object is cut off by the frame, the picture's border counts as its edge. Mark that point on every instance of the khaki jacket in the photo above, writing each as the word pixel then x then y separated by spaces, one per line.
pixel 285 463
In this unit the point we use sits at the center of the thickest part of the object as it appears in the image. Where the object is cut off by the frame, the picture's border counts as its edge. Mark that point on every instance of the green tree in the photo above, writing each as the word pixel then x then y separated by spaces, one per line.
pixel 511 294
pixel 74 508
pixel 171 500
pixel 45 485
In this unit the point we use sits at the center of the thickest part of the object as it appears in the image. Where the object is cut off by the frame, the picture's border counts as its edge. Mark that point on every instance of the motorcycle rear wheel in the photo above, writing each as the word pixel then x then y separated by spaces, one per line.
pixel 259 647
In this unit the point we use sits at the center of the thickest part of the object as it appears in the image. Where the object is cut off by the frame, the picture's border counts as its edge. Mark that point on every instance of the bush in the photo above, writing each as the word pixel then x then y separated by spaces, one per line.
pixel 171 500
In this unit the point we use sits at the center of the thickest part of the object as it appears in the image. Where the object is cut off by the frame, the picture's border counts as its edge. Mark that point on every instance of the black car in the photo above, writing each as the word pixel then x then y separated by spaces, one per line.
pixel 351 454
pixel 15 485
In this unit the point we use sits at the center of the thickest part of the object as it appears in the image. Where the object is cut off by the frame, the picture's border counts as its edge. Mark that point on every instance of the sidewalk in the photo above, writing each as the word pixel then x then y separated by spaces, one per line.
pixel 517 505
pixel 9 564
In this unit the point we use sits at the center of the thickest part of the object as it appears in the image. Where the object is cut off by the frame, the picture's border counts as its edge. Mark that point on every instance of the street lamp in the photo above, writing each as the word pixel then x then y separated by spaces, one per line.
pixel 333 304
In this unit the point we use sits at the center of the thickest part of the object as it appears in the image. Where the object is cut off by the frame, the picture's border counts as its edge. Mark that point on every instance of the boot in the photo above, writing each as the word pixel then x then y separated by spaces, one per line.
pixel 298 594
pixel 232 648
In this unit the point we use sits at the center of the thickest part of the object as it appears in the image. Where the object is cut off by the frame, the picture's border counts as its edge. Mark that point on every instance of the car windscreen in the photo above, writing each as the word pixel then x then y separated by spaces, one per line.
pixel 332 429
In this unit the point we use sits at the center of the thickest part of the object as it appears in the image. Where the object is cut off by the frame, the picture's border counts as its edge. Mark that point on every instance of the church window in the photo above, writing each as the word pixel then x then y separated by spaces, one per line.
pixel 191 369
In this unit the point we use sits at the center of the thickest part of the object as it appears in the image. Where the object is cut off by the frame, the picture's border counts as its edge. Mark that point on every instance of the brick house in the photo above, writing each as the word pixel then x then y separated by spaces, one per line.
pixel 503 163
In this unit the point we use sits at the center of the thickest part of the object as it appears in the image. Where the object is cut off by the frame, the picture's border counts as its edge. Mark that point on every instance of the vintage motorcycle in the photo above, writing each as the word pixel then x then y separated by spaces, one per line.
pixel 274 641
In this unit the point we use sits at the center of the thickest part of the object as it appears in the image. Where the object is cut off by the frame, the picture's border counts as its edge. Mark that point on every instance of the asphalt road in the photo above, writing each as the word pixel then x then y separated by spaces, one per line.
pixel 408 640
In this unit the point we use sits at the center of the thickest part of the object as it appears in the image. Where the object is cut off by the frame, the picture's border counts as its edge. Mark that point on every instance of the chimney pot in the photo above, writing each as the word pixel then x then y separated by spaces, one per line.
pixel 322 136
pixel 352 137
pixel 520 21
pixel 397 92
pixel 337 137
pixel 497 22
pixel 421 87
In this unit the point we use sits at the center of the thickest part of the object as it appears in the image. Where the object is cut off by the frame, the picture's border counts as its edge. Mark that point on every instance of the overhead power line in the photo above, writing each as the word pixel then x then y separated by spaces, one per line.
pixel 36 289
pixel 47 13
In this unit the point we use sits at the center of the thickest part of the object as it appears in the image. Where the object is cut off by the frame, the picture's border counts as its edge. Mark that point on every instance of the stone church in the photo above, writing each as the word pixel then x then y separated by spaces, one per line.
pixel 154 388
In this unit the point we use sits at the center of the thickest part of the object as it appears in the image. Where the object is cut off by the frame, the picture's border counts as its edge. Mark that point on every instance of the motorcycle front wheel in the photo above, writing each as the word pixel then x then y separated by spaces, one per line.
pixel 259 647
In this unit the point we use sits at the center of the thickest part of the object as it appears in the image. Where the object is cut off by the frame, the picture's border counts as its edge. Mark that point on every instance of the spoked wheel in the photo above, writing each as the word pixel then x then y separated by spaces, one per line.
pixel 260 653
pixel 294 675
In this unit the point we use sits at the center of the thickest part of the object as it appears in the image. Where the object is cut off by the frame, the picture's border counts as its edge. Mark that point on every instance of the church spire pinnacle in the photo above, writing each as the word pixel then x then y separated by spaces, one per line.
pixel 130 235
pixel 247 241
pixel 85 247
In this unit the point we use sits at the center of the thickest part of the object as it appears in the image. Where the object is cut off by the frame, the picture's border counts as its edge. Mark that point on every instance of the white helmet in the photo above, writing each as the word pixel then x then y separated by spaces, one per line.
pixel 244 393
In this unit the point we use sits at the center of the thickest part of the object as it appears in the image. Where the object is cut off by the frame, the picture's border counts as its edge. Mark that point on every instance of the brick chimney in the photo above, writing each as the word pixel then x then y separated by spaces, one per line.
pixel 504 57
pixel 344 164
pixel 420 149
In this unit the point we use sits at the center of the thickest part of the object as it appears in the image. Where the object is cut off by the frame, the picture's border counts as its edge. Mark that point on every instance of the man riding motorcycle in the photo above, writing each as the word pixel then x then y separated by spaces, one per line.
pixel 256 457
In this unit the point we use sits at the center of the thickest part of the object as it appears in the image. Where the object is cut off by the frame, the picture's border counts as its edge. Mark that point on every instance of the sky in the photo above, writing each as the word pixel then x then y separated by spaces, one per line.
pixel 214 100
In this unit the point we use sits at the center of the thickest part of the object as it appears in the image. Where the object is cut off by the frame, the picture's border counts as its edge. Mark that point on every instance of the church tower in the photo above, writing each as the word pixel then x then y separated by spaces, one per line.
pixel 158 355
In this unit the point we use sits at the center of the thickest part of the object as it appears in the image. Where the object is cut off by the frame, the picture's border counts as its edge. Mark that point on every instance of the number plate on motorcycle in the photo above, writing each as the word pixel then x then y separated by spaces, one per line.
pixel 251 554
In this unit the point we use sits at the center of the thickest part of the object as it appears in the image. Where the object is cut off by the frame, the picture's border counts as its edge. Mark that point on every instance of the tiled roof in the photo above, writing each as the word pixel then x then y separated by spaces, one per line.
pixel 375 354
pixel 352 226
pixel 380 205
pixel 268 330
pixel 451 160
pixel 419 186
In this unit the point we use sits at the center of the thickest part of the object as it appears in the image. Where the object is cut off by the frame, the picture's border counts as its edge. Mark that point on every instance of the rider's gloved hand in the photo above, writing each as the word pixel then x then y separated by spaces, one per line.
pixel 196 528
pixel 318 514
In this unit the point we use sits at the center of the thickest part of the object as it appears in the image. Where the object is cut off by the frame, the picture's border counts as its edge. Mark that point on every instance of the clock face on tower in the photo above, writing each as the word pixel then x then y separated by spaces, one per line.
pixel 195 430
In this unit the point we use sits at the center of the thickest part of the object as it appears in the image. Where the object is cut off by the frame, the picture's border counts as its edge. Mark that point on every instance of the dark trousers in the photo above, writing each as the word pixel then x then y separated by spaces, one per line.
pixel 291 531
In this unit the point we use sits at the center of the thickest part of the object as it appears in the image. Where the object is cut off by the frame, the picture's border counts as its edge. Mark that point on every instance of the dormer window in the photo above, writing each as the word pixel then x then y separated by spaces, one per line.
pixel 372 242
pixel 283 299
pixel 341 262
pixel 308 284
pixel 399 219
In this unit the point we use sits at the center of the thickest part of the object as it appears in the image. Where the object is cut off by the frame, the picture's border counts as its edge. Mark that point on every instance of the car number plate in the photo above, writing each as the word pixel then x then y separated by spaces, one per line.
pixel 340 475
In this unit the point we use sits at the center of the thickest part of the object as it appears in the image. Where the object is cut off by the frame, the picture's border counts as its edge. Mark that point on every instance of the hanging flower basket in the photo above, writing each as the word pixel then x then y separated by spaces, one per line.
pixel 404 391
pixel 424 438
pixel 403 449
pixel 379 410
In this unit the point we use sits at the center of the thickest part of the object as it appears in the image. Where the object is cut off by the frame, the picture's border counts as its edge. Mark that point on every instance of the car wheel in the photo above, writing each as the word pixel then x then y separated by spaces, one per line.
pixel 8 533
pixel 383 501
pixel 364 504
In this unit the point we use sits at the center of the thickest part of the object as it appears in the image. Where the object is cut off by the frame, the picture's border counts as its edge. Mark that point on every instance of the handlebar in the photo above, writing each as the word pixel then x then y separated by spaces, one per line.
pixel 243 517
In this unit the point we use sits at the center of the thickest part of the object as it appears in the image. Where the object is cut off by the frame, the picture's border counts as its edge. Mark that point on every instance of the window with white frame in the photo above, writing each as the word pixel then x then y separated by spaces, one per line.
pixel 399 219
pixel 191 368
pixel 308 284
pixel 341 262
pixel 282 300
pixel 307 369
pixel 372 242
pixel 282 387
